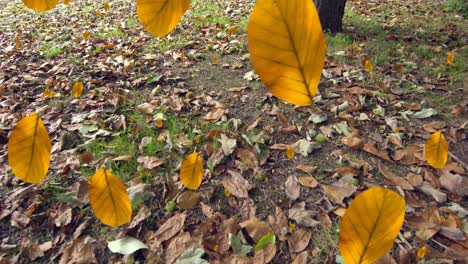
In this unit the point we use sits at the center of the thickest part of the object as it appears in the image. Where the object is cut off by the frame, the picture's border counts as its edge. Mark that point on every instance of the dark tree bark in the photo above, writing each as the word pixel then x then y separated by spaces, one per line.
pixel 331 14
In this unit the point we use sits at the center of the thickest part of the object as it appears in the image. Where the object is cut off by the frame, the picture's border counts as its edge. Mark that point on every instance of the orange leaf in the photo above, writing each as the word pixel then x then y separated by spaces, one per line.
pixel 368 65
pixel 160 17
pixel 422 252
pixel 370 225
pixel 109 198
pixel 191 171
pixel 106 6
pixel 290 152
pixel 29 149
pixel 86 36
pixel 231 30
pixel 48 93
pixel 450 57
pixel 287 48
pixel 66 2
pixel 77 89
pixel 436 150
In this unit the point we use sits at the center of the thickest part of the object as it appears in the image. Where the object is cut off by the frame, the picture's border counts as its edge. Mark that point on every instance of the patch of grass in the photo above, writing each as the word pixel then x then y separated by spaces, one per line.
pixel 337 42
pixel 327 241
pixel 132 22
pixel 367 26
pixel 210 12
pixel 49 50
pixel 110 33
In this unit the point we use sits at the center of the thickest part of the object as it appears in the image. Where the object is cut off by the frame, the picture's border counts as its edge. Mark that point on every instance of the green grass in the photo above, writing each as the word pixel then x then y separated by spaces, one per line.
pixel 110 33
pixel 49 50
pixel 327 241
pixel 337 42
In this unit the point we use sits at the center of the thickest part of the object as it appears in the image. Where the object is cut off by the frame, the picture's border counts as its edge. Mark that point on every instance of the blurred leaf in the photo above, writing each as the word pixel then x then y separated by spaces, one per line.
pixel 40 5
pixel 160 17
pixel 106 6
pixel 290 152
pixel 365 240
pixel 109 198
pixel 192 256
pixel 126 245
pixel 29 149
pixel 269 238
pixel 368 65
pixel 287 48
pixel 77 89
pixel 436 150
pixel 450 58
pixel 422 252
pixel 191 172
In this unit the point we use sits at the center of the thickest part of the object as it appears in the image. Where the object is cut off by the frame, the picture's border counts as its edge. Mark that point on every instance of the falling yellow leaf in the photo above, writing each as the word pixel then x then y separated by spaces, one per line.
pixel 109 198
pixel 214 59
pixel 99 14
pixel 66 2
pixel 422 252
pixel 366 239
pixel 77 89
pixel 231 30
pixel 191 171
pixel 436 150
pixel 227 192
pixel 29 149
pixel 48 93
pixel 450 57
pixel 106 6
pixel 287 48
pixel 368 65
pixel 290 152
pixel 40 5
pixel 160 17
pixel 86 35
pixel 159 122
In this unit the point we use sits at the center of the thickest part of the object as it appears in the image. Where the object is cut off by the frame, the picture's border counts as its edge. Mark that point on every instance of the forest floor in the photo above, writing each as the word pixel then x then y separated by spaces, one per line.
pixel 366 128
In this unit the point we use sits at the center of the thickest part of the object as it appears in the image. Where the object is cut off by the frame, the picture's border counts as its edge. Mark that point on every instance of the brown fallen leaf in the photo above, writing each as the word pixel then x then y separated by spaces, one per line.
pixel 302 216
pixel 414 179
pixel 146 108
pixel 248 209
pixel 31 249
pixel 427 188
pixel 292 188
pixel 150 162
pixel 143 213
pixel 256 228
pixel 166 231
pixel 177 246
pixel 339 190
pixel 299 240
pixel 434 126
pixel 215 114
pixel 278 223
pixel 452 181
pixel 353 142
pixel 387 259
pixel 407 156
pixel 301 258
pixel 452 233
pixel 79 251
pixel 306 168
pixel 308 181
pixel 188 200
pixel 248 158
pixel 427 223
pixel 324 219
pixel 370 148
pixel 395 179
pixel 348 171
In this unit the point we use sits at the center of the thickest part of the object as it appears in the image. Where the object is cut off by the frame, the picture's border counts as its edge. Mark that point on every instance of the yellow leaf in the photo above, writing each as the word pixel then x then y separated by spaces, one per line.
pixel 86 35
pixel 191 171
pixel 436 150
pixel 368 65
pixel 290 152
pixel 214 59
pixel 40 5
pixel 422 252
pixel 109 198
pixel 77 89
pixel 48 93
pixel 18 40
pixel 66 2
pixel 160 17
pixel 227 192
pixel 292 227
pixel 29 149
pixel 287 48
pixel 231 30
pixel 371 225
pixel 450 57
pixel 159 122
pixel 106 6
pixel 98 14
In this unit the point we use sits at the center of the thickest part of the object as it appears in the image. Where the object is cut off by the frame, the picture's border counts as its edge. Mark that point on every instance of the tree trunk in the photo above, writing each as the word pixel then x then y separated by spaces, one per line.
pixel 331 14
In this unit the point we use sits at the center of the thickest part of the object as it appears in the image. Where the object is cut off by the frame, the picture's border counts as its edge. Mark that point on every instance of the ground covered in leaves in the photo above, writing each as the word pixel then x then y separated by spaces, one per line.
pixel 147 103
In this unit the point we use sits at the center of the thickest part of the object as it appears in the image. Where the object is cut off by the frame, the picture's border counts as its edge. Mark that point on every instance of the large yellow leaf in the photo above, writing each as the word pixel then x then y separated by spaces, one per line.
pixel 436 150
pixel 191 171
pixel 40 5
pixel 160 17
pixel 371 225
pixel 287 48
pixel 109 198
pixel 29 149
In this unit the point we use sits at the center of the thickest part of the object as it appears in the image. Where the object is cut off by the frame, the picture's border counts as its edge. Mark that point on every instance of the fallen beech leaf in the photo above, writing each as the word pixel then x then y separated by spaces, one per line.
pixel 292 188
pixel 191 171
pixel 302 216
pixel 339 190
pixel 80 250
pixel 237 185
pixel 306 168
pixel 177 245
pixel 427 188
pixel 400 181
pixel 146 108
pixel 453 182
pixel 301 258
pixel 365 241
pixel 370 148
pixel 188 200
pixel 308 181
pixel 291 71
pixel 452 233
pixel 215 114
pixel 256 228
pixel 150 162
pixel 29 149
pixel 436 150
pixel 299 240
pixel 126 246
